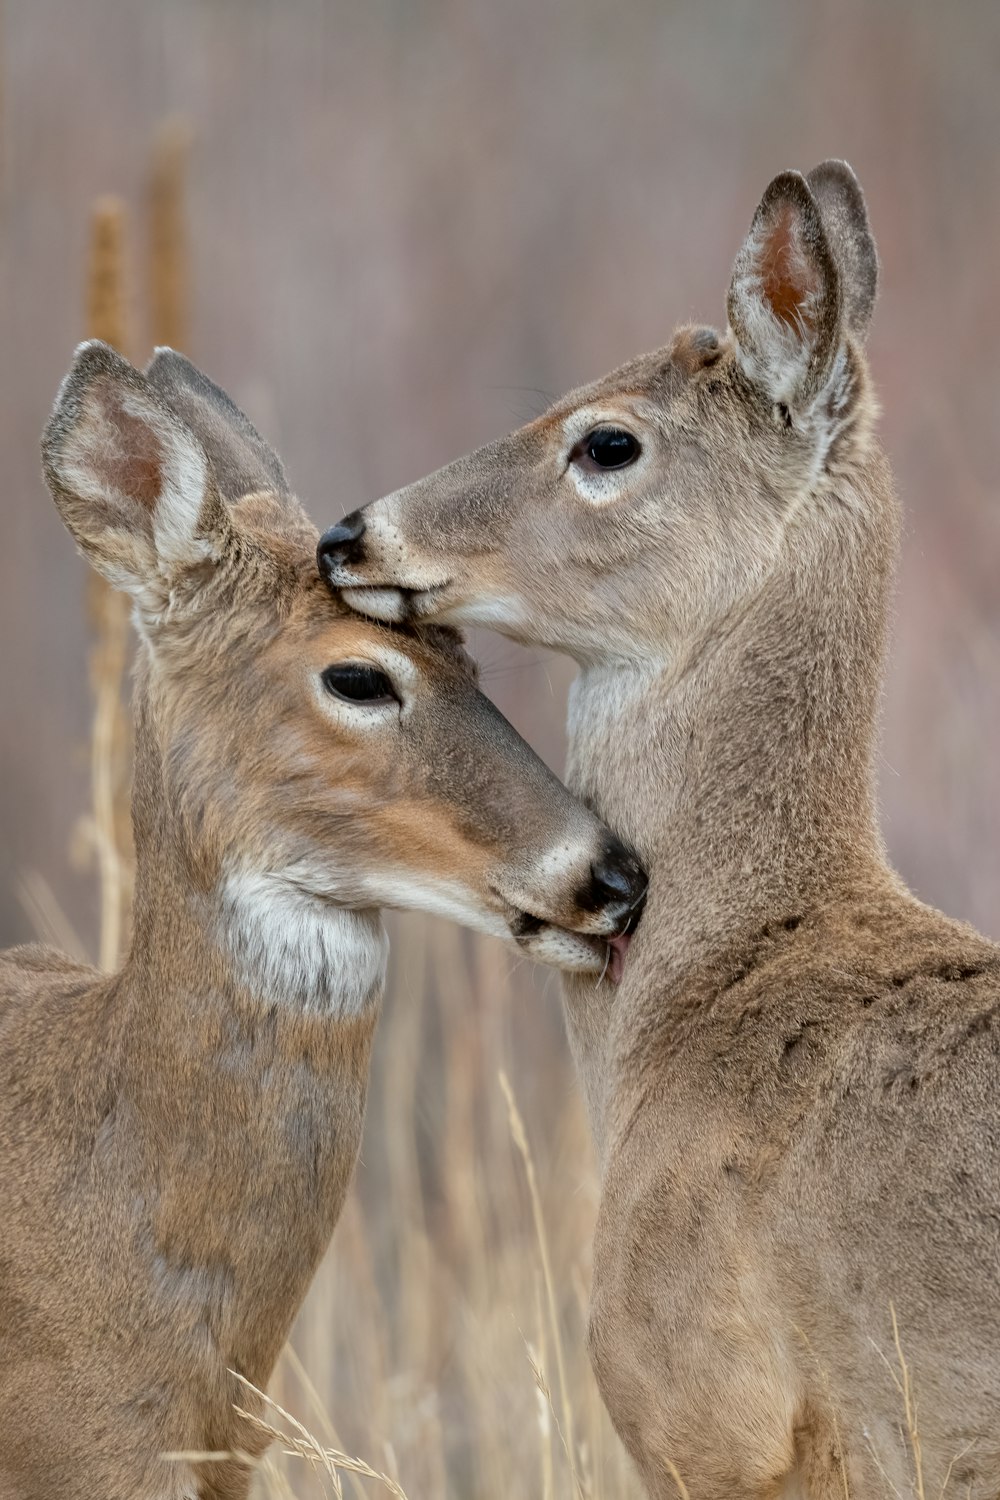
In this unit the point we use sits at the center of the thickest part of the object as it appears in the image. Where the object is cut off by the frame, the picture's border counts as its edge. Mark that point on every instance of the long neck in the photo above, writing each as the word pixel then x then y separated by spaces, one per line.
pixel 744 770
pixel 239 1104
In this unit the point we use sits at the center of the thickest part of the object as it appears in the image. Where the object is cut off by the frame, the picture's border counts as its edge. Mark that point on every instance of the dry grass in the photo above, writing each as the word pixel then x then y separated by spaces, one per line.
pixel 169 273
pixel 107 833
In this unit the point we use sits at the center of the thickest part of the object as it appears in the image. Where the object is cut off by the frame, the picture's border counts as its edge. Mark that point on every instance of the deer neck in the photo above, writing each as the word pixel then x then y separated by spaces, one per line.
pixel 238 1101
pixel 743 769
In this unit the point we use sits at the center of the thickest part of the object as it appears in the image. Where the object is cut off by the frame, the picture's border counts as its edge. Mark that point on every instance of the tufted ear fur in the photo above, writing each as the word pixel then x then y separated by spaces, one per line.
pixel 784 302
pixel 845 218
pixel 131 482
pixel 242 463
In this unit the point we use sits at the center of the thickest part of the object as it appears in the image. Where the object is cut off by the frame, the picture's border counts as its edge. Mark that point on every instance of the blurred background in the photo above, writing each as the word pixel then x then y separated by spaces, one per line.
pixel 392 230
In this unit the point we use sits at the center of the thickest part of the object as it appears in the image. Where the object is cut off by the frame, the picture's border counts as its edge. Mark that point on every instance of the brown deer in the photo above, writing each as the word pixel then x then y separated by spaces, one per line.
pixel 176 1138
pixel 796 1087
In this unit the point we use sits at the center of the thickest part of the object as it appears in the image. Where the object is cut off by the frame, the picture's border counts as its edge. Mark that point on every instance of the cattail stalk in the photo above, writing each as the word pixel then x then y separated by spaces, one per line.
pixel 111 736
pixel 169 298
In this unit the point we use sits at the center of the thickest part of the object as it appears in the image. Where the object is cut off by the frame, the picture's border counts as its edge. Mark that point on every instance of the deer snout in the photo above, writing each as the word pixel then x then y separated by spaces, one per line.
pixel 360 560
pixel 341 545
pixel 589 928
pixel 616 889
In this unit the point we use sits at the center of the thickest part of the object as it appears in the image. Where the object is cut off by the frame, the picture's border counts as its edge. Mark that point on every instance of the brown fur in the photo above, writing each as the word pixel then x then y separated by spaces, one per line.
pixel 176 1139
pixel 795 1087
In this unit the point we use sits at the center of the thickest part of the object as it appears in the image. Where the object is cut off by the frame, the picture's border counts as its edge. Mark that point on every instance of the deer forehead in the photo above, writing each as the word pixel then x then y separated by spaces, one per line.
pixel 317 634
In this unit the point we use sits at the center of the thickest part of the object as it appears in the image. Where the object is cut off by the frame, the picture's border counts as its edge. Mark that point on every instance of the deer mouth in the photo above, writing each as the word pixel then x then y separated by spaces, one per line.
pixel 573 952
pixel 392 602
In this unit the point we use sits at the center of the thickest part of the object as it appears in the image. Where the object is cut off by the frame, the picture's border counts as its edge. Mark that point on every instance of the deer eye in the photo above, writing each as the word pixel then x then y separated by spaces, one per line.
pixel 608 448
pixel 352 682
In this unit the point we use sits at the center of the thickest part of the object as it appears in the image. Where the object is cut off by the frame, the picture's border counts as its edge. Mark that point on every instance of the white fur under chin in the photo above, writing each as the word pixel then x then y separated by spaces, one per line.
pixel 566 951
pixel 442 898
pixel 301 950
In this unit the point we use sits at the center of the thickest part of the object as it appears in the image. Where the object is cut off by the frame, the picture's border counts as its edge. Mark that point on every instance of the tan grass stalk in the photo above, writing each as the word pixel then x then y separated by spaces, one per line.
pixel 465 1236
pixel 209 1456
pixel 596 1417
pixel 275 1483
pixel 169 278
pixel 824 1375
pixel 107 304
pixel 957 1458
pixel 414 1266
pixel 301 1443
pixel 910 1406
pixel 316 1402
pixel 880 1466
pixel 520 1138
pixel 675 1475
pixel 110 746
pixel 47 917
pixel 545 1415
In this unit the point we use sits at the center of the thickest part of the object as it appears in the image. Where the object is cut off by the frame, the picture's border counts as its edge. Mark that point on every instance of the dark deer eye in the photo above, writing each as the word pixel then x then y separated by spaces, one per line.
pixel 353 683
pixel 610 448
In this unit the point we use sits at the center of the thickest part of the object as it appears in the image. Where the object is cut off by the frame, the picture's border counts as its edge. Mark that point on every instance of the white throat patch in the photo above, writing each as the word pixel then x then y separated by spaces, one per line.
pixel 293 947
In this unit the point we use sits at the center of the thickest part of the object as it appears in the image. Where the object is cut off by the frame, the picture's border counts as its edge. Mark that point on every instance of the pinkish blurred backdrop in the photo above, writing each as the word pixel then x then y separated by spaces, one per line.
pixel 414 220
pixel 410 223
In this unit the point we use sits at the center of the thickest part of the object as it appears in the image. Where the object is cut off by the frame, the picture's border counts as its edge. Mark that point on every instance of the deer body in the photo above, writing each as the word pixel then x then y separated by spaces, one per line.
pixel 177 1138
pixel 793 1088
pixel 796 1090
pixel 177 1169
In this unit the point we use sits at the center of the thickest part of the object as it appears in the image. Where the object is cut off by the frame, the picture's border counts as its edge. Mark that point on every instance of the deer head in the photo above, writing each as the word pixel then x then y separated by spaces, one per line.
pixel 293 760
pixel 639 511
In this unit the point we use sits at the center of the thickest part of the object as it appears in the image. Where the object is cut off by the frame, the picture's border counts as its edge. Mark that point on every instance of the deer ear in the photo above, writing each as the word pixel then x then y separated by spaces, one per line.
pixel 242 463
pixel 129 480
pixel 845 218
pixel 784 300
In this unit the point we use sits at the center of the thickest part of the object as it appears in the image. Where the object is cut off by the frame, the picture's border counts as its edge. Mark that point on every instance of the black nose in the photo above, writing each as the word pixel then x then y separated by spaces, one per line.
pixel 616 879
pixel 342 543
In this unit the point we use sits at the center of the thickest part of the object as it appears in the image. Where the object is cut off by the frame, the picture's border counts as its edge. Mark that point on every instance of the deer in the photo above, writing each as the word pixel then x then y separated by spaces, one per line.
pixel 178 1136
pixel 794 1087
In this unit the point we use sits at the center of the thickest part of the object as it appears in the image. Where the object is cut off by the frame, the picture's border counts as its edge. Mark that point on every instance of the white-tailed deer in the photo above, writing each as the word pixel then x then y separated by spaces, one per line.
pixel 176 1138
pixel 796 1090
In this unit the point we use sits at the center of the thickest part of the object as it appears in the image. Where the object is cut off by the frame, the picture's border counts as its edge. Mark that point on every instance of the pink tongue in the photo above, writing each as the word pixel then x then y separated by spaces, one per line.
pixel 619 948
